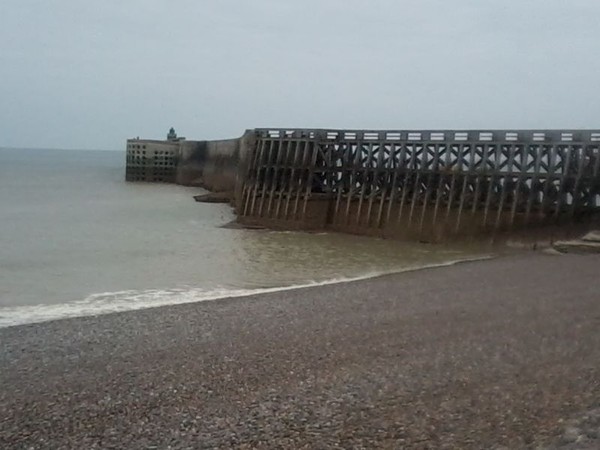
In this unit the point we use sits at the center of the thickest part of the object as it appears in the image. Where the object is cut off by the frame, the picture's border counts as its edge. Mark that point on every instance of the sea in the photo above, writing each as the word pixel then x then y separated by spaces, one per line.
pixel 77 240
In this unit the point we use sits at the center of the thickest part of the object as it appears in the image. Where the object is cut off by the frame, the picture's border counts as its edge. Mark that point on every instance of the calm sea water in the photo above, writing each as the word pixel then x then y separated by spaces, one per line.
pixel 76 239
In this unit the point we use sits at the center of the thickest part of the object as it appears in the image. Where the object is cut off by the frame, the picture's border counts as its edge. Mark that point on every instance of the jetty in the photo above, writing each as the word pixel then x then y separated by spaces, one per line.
pixel 431 185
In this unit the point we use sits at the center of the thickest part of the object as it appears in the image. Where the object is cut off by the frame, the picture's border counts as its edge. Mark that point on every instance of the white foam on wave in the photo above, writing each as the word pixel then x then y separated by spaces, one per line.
pixel 111 302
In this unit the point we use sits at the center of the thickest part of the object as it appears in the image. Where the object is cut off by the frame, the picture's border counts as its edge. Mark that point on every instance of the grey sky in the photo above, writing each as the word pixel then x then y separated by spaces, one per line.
pixel 89 74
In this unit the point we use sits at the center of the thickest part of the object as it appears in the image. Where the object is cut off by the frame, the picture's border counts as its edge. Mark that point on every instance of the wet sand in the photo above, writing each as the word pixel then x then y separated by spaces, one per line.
pixel 491 354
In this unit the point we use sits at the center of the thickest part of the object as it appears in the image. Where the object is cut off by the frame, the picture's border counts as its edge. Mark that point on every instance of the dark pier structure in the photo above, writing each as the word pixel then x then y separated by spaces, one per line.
pixel 428 185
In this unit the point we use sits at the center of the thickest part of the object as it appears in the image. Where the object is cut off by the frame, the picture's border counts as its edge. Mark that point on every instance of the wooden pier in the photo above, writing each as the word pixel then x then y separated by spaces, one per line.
pixel 420 184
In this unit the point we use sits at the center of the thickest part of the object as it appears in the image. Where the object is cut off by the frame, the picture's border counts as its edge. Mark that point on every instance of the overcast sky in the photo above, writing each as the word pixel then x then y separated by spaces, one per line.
pixel 91 73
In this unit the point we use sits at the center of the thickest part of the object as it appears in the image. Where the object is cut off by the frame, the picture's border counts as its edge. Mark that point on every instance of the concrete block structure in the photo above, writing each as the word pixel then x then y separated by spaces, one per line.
pixel 213 165
pixel 150 160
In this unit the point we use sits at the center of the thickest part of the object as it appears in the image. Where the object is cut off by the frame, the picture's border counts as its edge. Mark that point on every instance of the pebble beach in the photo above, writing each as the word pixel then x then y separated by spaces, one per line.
pixel 502 353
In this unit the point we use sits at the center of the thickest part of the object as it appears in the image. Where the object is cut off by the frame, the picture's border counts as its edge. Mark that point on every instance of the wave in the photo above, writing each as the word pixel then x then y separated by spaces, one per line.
pixel 128 300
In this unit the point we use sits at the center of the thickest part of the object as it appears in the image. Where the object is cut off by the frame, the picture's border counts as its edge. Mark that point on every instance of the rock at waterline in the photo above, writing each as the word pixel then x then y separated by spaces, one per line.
pixel 214 197
pixel 590 243
pixel 592 236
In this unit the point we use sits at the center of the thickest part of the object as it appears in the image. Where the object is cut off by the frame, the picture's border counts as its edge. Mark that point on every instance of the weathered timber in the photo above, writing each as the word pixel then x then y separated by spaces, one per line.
pixel 422 183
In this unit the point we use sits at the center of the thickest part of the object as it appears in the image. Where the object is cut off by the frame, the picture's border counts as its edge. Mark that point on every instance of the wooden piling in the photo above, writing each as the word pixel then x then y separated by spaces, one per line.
pixel 507 178
pixel 291 181
pixel 258 168
pixel 466 178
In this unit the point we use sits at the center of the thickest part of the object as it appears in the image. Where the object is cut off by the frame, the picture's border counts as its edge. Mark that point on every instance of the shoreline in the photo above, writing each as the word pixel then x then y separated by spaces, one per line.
pixel 53 312
pixel 497 353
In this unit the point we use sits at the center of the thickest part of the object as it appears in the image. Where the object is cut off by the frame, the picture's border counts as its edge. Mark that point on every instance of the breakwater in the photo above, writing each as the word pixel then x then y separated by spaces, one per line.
pixel 213 165
pixel 427 185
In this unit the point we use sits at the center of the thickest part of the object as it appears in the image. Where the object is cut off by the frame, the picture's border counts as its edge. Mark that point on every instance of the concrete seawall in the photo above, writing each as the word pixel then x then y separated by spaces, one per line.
pixel 210 164
pixel 213 165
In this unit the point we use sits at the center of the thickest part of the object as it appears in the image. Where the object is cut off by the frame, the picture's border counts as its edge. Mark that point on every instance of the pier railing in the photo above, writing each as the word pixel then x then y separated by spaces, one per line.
pixel 421 182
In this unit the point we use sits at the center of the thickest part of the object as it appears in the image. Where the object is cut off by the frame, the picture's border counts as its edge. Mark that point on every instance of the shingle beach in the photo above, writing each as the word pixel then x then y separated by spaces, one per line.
pixel 503 353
